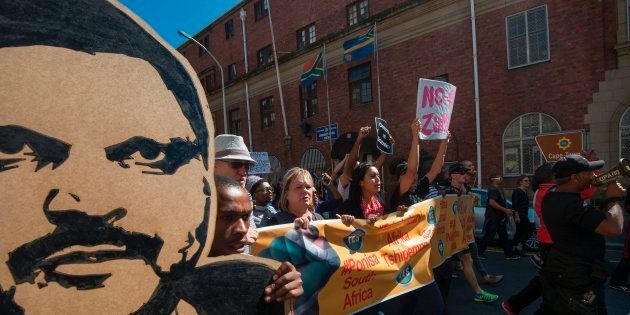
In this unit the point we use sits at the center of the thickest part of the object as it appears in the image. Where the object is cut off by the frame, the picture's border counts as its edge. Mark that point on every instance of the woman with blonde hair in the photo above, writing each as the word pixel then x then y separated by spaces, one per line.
pixel 296 200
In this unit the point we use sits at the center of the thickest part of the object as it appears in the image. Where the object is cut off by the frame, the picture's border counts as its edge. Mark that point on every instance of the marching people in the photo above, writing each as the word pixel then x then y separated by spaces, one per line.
pixel 234 211
pixel 262 193
pixel 520 203
pixel 496 220
pixel 575 271
pixel 296 200
pixel 458 178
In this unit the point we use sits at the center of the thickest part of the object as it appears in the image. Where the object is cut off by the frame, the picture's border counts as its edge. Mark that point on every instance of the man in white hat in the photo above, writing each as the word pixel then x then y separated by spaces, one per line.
pixel 231 159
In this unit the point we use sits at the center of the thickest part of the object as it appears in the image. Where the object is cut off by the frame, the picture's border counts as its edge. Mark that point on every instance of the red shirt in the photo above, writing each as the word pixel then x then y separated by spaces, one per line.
pixel 373 207
pixel 543 234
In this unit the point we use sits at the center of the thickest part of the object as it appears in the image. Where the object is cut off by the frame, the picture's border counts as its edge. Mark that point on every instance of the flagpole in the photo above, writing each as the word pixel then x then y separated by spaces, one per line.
pixel 287 138
pixel 378 77
pixel 328 107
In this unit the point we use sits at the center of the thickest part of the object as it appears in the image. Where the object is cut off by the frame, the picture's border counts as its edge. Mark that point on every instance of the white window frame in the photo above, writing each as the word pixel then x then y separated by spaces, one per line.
pixel 507 39
pixel 625 112
pixel 521 139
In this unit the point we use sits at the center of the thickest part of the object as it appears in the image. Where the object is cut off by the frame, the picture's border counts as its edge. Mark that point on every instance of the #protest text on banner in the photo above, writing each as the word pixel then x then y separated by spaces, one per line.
pixel 263 166
pixel 349 269
pixel 383 137
pixel 434 108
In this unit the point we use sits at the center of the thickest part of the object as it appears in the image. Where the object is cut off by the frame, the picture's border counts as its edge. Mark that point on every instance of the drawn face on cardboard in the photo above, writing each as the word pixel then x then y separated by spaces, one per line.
pixel 103 168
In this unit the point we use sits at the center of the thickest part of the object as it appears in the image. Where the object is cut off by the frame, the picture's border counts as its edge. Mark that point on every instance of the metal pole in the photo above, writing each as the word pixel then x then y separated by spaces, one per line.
pixel 476 81
pixel 328 106
pixel 225 123
pixel 378 77
pixel 287 138
pixel 243 15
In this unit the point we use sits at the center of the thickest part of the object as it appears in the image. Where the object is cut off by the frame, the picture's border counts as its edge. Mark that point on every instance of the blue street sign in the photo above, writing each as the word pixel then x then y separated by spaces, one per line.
pixel 321 133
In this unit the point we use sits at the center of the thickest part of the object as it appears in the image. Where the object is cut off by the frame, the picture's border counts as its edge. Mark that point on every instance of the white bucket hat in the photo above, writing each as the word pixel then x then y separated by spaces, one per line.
pixel 231 147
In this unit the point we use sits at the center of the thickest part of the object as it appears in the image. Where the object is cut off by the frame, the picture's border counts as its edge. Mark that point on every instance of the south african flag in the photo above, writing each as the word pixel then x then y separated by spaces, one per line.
pixel 313 69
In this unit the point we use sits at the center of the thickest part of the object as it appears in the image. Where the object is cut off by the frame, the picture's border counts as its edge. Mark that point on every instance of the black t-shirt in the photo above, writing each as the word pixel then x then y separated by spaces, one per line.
pixel 496 195
pixel 284 217
pixel 520 202
pixel 571 224
pixel 418 190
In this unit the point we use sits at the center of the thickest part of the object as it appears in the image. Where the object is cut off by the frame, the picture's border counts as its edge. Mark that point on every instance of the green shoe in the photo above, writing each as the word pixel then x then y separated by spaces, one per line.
pixel 486 297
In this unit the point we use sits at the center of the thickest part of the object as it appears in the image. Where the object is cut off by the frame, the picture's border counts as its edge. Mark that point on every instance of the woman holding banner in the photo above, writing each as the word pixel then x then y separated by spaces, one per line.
pixel 296 200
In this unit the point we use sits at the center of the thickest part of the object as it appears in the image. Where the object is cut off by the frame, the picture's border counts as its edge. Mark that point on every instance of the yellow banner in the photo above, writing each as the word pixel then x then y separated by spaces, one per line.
pixel 348 269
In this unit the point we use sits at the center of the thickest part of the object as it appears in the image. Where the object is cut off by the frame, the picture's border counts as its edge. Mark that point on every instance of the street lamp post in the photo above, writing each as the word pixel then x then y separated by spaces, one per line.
pixel 225 120
pixel 243 15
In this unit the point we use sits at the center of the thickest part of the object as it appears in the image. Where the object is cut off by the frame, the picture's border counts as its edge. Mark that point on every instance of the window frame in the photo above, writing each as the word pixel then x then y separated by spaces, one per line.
pixel 307 95
pixel 261 10
pixel 309 39
pixel 205 42
pixel 229 28
pixel 270 57
pixel 507 38
pixel 234 123
pixel 357 7
pixel 210 80
pixel 359 82
pixel 520 139
pixel 232 74
pixel 623 114
pixel 267 112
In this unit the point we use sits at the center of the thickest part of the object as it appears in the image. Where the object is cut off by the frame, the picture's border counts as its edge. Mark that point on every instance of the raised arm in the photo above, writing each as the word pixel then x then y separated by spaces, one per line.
pixel 406 180
pixel 351 162
pixel 438 162
pixel 338 167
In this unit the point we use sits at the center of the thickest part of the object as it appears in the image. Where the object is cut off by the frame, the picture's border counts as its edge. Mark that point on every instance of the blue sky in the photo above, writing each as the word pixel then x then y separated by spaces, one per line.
pixel 168 16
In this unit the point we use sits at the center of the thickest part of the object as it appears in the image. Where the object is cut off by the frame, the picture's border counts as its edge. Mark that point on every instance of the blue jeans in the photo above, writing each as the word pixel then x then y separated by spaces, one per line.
pixel 492 227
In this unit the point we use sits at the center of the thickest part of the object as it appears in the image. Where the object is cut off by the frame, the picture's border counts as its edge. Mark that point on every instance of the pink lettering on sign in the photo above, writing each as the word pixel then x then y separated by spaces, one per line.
pixel 431 96
pixel 435 101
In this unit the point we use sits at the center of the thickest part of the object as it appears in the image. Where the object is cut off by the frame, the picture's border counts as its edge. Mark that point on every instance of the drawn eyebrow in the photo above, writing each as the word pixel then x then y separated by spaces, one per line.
pixel 46 149
pixel 177 153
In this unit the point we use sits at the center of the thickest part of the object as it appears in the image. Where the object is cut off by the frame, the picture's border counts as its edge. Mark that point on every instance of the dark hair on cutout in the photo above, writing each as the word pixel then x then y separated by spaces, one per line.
pixel 356 192
pixel 100 27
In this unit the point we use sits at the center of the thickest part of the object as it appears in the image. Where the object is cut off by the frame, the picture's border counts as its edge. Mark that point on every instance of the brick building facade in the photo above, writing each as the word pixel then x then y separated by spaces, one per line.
pixel 540 64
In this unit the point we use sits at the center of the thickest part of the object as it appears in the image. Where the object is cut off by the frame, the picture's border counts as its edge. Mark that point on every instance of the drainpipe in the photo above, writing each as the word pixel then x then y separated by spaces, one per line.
pixel 476 81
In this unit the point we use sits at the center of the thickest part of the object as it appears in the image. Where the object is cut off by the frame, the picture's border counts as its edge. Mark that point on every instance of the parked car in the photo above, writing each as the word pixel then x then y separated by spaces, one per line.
pixel 480 211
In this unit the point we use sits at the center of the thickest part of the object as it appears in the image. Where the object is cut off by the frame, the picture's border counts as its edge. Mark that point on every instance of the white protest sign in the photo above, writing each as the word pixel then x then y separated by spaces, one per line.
pixel 434 108
pixel 262 163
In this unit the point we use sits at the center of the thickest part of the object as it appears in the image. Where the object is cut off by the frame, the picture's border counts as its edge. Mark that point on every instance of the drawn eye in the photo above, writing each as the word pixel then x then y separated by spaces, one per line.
pixel 144 160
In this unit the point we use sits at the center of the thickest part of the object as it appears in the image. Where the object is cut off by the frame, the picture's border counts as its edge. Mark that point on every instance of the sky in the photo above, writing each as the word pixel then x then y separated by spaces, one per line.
pixel 168 16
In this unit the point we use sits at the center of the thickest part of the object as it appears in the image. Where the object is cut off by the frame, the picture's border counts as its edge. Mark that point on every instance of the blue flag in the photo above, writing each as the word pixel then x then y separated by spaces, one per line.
pixel 359 47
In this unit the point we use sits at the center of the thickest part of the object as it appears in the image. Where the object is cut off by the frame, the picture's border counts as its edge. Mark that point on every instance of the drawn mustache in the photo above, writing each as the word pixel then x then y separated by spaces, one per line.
pixel 76 227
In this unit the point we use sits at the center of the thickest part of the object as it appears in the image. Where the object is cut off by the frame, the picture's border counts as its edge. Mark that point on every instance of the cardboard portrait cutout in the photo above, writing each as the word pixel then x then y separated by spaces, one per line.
pixel 106 159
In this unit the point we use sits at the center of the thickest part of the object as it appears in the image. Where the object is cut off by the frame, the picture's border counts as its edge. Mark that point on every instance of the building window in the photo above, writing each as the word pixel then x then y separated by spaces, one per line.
pixel 357 12
pixel 441 77
pixel 306 36
pixel 265 55
pixel 231 72
pixel 527 37
pixel 360 85
pixel 624 135
pixel 267 113
pixel 520 151
pixel 205 41
pixel 313 160
pixel 229 29
pixel 308 100
pixel 210 81
pixel 260 9
pixel 235 122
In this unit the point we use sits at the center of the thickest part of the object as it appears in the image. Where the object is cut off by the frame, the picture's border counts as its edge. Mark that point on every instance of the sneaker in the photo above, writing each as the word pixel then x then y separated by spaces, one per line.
pixel 483 257
pixel 513 257
pixel 623 288
pixel 537 261
pixel 508 310
pixel 485 297
pixel 492 279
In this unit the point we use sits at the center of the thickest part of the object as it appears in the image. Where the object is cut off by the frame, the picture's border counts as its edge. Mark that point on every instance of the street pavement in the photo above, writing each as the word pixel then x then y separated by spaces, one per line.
pixel 517 275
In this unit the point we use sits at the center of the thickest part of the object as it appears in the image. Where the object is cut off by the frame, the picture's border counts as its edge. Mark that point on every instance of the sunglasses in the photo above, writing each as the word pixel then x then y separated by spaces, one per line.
pixel 526 180
pixel 237 164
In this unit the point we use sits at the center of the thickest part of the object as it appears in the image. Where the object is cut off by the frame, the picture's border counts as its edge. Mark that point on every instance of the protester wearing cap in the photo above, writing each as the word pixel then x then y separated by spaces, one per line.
pixel 575 270
pixel 232 160
pixel 262 194
pixel 497 215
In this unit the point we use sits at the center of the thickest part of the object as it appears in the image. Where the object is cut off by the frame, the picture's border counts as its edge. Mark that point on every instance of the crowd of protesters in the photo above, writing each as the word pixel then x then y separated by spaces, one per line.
pixel 354 190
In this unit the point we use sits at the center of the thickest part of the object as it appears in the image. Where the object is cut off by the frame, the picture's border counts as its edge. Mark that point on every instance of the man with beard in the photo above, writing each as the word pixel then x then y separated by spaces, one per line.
pixel 105 169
